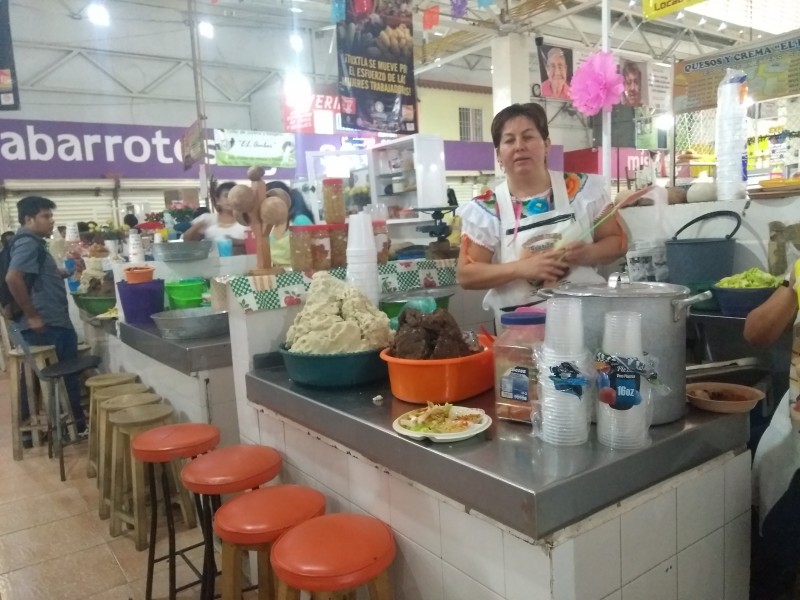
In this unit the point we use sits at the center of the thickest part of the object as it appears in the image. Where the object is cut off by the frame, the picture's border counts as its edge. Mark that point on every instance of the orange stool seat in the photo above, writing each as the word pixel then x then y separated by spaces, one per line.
pixel 231 469
pixel 333 552
pixel 261 516
pixel 181 440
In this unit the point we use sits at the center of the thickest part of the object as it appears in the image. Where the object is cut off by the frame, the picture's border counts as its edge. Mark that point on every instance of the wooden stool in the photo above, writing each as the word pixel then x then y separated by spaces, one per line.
pixel 95 383
pixel 165 445
pixel 37 423
pixel 127 424
pixel 252 522
pixel 332 555
pixel 104 409
pixel 225 471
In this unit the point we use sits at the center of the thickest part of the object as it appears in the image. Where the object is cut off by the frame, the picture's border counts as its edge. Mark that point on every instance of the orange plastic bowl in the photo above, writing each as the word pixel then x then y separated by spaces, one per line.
pixel 139 274
pixel 441 381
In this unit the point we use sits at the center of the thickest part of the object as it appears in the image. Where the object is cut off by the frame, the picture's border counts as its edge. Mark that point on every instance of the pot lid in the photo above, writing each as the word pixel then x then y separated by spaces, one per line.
pixel 404 297
pixel 619 286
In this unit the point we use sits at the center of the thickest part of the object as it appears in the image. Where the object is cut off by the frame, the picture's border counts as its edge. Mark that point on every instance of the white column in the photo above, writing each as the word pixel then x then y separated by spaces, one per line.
pixel 511 75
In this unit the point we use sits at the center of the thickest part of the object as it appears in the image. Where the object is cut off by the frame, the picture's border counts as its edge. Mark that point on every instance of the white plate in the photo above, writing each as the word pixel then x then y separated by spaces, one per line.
pixel 482 425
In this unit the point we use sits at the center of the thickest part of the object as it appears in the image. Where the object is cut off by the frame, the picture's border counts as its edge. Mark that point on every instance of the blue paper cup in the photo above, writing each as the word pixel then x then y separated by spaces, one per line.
pixel 225 247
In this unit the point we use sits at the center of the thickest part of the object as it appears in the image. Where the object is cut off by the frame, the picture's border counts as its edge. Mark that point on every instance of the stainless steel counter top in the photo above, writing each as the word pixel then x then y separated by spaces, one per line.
pixel 506 473
pixel 186 356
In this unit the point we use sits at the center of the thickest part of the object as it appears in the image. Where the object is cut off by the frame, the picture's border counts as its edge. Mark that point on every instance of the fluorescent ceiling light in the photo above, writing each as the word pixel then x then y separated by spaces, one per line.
pixel 98 15
pixel 295 9
pixel 769 16
pixel 297 89
pixel 296 42
pixel 205 29
pixel 680 15
pixel 722 26
pixel 702 21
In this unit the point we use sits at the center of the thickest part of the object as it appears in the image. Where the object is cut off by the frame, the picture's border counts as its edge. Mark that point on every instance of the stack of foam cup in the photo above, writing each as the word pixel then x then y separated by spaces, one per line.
pixel 624 429
pixel 135 248
pixel 564 416
pixel 362 257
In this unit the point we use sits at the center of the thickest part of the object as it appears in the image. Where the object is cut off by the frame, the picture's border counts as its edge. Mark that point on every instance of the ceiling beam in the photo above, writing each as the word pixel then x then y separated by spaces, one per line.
pixel 454 56
pixel 130 96
pixel 60 62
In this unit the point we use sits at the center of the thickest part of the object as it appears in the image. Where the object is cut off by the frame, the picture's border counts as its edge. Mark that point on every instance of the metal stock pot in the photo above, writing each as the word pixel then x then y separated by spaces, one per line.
pixel 663 307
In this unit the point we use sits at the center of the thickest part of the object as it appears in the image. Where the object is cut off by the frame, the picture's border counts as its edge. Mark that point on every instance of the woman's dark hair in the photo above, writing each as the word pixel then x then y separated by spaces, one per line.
pixel 130 220
pixel 223 187
pixel 298 204
pixel 30 206
pixel 83 227
pixel 529 110
pixel 202 210
pixel 6 238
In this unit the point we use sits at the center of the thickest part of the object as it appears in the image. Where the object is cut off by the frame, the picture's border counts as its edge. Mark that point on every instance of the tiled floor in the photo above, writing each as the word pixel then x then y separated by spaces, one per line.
pixel 52 544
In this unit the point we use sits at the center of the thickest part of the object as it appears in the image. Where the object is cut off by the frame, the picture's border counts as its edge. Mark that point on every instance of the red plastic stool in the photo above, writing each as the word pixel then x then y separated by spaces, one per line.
pixel 252 522
pixel 228 470
pixel 334 554
pixel 161 446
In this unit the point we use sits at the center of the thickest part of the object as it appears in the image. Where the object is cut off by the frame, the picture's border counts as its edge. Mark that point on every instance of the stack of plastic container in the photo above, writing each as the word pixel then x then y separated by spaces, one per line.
pixel 624 424
pixel 731 136
pixel 362 261
pixel 564 410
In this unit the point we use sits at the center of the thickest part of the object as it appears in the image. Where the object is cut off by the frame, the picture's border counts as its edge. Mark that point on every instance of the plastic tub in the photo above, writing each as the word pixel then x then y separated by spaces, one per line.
pixel 139 273
pixel 141 300
pixel 441 381
pixel 738 302
pixel 334 370
pixel 179 303
pixel 186 288
pixel 94 305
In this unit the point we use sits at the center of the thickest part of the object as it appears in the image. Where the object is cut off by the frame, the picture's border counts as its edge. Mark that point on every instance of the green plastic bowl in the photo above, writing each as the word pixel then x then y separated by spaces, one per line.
pixel 334 370
pixel 178 303
pixel 94 305
pixel 393 303
pixel 186 288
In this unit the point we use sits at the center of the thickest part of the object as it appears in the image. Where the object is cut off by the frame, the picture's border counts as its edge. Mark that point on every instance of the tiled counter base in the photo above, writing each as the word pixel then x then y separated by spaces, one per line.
pixel 685 538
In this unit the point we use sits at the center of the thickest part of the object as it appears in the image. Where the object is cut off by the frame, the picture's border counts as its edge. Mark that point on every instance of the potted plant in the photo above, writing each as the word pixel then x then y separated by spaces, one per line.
pixel 182 215
pixel 153 221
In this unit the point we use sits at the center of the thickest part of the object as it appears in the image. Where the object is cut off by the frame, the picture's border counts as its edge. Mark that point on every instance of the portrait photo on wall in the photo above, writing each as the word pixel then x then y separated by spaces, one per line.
pixel 634 76
pixel 555 67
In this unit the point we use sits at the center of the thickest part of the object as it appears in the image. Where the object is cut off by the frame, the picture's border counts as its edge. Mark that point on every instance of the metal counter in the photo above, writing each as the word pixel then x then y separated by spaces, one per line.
pixel 506 473
pixel 186 356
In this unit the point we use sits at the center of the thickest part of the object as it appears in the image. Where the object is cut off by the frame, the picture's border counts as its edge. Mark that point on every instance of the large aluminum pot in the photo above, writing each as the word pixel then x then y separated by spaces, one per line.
pixel 663 307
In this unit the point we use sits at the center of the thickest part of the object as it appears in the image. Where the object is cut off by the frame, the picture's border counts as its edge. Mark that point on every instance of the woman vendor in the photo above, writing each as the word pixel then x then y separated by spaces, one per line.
pixel 508 235
pixel 776 468
pixel 298 215
pixel 221 224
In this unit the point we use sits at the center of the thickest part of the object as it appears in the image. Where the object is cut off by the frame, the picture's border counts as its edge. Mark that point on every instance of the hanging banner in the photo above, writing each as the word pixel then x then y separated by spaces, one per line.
pixel 376 67
pixel 773 71
pixel 9 90
pixel 241 148
pixel 192 144
pixel 655 9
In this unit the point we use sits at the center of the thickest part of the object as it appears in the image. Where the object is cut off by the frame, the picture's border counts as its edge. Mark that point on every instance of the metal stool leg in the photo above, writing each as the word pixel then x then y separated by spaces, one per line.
pixel 151 551
pixel 170 529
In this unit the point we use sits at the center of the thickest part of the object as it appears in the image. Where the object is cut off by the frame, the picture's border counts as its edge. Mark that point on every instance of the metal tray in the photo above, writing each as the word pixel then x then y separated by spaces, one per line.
pixel 192 323
pixel 181 251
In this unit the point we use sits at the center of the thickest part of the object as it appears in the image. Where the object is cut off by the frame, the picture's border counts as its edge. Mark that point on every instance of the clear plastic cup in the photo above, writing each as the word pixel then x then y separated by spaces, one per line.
pixel 225 247
pixel 622 429
pixel 564 326
pixel 622 335
pixel 359 233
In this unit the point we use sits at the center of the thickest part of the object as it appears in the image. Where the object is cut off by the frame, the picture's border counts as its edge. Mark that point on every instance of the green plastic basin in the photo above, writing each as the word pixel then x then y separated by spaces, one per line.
pixel 334 370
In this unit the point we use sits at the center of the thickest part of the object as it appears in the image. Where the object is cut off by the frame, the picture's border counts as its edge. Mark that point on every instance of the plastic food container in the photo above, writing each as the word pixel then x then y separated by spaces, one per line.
pixel 300 247
pixel 139 273
pixel 333 203
pixel 382 242
pixel 334 370
pixel 338 235
pixel 320 248
pixel 441 381
pixel 186 293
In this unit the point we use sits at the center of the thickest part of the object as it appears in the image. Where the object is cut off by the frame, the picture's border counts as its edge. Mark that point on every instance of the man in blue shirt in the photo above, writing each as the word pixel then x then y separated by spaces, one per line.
pixel 45 312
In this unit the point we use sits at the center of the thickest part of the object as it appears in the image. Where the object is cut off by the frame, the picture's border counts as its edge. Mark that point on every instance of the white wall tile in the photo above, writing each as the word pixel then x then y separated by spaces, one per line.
pixel 332 468
pixel 416 515
pixel 648 535
pixel 248 421
pixel 701 506
pixel 369 487
pixel 659 583
pixel 226 417
pixel 220 385
pixel 240 370
pixel 737 486
pixel 301 450
pixel 416 573
pixel 701 570
pixel 459 586
pixel 527 569
pixel 737 558
pixel 473 546
pixel 271 431
pixel 588 566
pixel 615 596
pixel 266 329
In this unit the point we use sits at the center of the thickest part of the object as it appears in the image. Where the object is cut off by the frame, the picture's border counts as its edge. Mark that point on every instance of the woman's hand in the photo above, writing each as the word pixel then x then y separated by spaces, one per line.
pixel 577 253
pixel 541 266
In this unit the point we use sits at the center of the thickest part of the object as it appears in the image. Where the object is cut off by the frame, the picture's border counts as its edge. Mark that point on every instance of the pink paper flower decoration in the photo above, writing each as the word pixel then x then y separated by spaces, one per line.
pixel 597 84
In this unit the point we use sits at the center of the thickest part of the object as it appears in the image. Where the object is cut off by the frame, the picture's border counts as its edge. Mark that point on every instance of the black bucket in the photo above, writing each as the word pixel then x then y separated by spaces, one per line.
pixel 700 263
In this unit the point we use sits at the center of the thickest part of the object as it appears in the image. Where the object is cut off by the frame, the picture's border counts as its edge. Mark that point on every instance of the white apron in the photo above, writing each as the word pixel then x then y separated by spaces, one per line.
pixel 536 233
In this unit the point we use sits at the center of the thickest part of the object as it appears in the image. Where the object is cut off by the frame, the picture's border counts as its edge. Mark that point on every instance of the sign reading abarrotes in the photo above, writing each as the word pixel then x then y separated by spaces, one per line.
pixel 655 9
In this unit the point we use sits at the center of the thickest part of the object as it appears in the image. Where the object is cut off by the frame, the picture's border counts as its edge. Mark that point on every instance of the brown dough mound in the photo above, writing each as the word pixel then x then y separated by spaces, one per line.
pixel 432 336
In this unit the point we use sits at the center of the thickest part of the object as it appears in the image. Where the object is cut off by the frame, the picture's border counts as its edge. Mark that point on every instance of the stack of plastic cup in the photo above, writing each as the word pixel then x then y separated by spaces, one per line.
pixel 72 234
pixel 135 248
pixel 624 429
pixel 565 417
pixel 362 259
